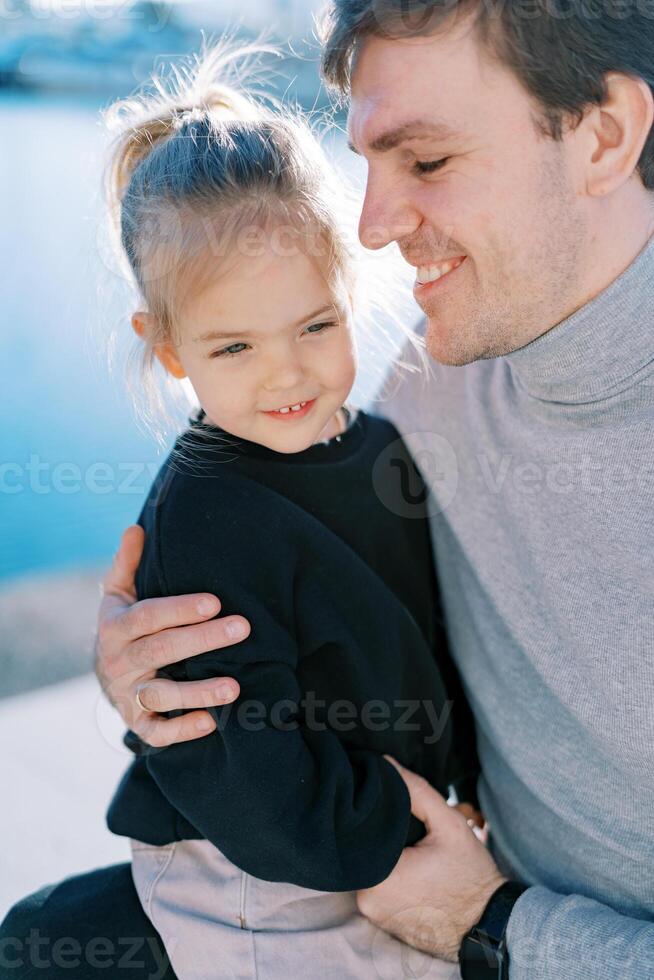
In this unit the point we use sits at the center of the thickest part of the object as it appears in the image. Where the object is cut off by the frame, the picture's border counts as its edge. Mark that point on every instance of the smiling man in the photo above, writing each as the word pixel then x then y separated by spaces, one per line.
pixel 486 208
pixel 510 155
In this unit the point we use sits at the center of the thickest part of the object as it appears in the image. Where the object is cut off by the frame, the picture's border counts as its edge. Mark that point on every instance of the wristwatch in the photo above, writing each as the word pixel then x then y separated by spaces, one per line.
pixel 483 954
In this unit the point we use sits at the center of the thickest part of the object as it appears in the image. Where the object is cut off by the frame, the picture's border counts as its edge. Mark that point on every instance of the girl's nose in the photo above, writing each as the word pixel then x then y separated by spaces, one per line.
pixel 284 373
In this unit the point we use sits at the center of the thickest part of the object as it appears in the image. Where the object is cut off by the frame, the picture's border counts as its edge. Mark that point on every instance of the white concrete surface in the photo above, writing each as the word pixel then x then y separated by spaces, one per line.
pixel 61 757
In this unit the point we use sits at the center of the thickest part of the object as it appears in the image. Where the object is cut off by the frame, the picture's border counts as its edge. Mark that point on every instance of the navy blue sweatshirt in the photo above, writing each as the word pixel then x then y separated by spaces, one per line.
pixel 327 553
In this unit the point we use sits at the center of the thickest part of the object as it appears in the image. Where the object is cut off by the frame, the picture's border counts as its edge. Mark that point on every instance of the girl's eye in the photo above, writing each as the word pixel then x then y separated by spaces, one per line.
pixel 230 351
pixel 422 167
pixel 233 349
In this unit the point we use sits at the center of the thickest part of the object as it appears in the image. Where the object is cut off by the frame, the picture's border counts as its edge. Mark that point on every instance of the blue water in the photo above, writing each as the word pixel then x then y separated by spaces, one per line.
pixel 61 408
pixel 74 464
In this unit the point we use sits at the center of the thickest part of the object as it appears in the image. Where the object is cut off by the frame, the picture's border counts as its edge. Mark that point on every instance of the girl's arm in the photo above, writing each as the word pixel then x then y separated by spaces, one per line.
pixel 281 797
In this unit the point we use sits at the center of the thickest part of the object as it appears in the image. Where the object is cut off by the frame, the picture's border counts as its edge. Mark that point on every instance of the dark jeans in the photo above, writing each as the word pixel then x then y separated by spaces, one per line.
pixel 83 928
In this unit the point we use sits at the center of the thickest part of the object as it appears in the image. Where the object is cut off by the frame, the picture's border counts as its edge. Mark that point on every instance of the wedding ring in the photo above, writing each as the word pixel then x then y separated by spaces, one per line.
pixel 139 702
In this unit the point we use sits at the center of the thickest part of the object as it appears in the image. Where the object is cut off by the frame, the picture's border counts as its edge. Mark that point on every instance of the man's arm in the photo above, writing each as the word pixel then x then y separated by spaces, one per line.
pixel 568 937
pixel 439 889
pixel 135 639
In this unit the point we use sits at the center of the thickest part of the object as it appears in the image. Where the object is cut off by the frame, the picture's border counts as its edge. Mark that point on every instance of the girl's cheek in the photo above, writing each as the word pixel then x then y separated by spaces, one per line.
pixel 349 359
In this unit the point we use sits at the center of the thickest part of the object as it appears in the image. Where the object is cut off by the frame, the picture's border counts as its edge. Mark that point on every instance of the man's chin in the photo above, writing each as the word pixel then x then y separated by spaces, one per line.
pixel 456 348
pixel 449 348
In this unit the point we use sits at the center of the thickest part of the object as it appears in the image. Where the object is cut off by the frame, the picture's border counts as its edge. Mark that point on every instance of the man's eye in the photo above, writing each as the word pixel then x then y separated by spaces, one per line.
pixel 230 351
pixel 429 166
pixel 318 327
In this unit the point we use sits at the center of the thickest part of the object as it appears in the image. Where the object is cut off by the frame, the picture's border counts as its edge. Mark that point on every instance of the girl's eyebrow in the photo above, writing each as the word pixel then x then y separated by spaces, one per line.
pixel 228 334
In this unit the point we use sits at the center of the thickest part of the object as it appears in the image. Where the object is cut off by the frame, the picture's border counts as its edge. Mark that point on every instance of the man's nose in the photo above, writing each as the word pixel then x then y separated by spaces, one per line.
pixel 387 214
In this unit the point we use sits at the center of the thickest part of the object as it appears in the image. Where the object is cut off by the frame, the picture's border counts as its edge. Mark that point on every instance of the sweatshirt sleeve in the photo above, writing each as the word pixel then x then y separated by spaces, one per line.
pixel 282 798
pixel 464 762
pixel 559 937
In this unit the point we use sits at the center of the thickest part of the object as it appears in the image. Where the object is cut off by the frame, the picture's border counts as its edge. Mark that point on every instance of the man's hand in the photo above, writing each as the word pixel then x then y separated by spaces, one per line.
pixel 136 638
pixel 439 888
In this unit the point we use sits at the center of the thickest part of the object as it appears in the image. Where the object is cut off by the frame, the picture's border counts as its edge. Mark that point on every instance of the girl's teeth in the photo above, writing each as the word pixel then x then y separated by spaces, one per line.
pixel 291 408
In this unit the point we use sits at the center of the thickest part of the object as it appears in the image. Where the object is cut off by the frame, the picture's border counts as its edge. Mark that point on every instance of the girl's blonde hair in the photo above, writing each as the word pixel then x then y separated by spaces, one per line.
pixel 202 173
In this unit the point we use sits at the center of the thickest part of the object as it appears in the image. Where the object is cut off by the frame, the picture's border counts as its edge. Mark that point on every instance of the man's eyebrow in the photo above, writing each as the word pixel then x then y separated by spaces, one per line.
pixel 418 129
pixel 230 334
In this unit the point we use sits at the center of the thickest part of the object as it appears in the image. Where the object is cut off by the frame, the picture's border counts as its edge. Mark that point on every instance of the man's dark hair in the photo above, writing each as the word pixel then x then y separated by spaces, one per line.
pixel 560 50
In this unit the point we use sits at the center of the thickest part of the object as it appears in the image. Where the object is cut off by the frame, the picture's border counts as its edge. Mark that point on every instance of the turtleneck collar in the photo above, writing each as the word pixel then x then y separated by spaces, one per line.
pixel 600 350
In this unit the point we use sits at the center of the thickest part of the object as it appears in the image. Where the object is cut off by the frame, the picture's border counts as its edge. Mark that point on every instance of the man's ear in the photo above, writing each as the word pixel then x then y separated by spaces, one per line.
pixel 619 128
pixel 143 324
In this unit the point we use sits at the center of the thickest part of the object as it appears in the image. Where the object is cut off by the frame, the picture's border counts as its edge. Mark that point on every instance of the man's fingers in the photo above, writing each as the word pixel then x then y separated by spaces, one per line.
pixel 119 580
pixel 160 694
pixel 153 615
pixel 160 732
pixel 427 804
pixel 169 646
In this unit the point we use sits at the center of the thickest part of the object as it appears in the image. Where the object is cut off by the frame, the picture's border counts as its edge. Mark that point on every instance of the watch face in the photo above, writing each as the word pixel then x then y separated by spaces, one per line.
pixel 481 957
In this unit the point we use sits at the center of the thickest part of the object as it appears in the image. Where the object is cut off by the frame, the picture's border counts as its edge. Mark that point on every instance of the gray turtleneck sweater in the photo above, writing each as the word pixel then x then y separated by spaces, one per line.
pixel 541 468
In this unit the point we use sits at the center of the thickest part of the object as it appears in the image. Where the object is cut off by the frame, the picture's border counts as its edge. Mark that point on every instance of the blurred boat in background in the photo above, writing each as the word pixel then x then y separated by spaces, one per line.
pixel 107 49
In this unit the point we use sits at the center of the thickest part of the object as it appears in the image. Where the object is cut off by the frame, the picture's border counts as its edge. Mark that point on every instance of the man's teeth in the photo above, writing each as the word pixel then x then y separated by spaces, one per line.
pixel 291 408
pixel 430 273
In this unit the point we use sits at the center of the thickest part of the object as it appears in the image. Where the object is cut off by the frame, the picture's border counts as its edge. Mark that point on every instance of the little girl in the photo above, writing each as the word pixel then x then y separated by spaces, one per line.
pixel 290 504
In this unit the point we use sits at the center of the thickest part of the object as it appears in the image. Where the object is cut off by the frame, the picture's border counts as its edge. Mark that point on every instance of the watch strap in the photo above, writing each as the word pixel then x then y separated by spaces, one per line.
pixel 483 954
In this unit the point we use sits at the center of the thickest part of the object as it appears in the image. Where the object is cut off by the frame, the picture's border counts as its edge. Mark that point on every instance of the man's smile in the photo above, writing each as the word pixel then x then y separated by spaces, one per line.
pixel 430 277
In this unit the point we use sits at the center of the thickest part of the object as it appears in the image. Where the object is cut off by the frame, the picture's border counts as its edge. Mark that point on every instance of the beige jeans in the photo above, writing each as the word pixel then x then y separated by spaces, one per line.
pixel 219 923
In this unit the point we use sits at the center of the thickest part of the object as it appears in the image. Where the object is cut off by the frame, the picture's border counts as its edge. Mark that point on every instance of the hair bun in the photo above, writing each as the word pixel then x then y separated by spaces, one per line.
pixel 219 102
pixel 191 93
